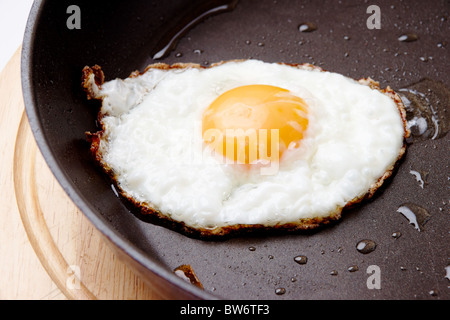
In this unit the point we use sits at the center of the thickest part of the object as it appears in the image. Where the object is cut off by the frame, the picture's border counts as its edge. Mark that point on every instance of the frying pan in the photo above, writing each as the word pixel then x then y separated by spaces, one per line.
pixel 123 37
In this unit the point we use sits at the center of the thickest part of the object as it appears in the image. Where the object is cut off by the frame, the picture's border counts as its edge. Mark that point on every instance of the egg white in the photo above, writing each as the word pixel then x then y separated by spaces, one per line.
pixel 152 143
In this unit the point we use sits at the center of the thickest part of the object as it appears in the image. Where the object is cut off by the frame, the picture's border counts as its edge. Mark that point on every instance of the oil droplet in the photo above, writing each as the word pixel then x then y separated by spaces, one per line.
pixel 447 272
pixel 280 291
pixel 416 215
pixel 408 37
pixel 301 259
pixel 396 235
pixel 198 51
pixel 426 113
pixel 352 268
pixel 186 273
pixel 114 190
pixel 307 27
pixel 251 248
pixel 334 273
pixel 423 59
pixel 366 246
pixel 419 178
pixel 433 293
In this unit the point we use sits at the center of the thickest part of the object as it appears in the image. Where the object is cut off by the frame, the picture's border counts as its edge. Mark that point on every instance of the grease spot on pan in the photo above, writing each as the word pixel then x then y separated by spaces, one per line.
pixel 408 37
pixel 301 259
pixel 186 273
pixel 307 27
pixel 366 246
pixel 426 109
pixel 280 291
pixel 416 215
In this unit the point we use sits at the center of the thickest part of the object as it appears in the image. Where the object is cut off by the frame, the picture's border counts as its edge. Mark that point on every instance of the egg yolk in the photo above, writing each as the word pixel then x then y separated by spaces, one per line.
pixel 254 123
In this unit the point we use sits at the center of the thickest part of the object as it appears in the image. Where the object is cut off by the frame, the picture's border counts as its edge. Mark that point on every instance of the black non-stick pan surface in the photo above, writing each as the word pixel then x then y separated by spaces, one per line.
pixel 409 52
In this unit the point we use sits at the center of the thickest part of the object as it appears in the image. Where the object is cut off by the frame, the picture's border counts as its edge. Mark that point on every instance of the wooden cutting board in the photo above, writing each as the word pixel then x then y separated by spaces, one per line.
pixel 48 248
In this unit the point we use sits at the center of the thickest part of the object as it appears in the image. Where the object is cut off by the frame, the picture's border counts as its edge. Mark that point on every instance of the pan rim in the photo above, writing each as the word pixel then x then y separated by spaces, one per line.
pixel 124 246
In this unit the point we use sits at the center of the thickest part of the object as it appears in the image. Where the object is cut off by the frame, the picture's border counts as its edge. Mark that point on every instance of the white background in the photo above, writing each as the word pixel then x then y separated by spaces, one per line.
pixel 13 19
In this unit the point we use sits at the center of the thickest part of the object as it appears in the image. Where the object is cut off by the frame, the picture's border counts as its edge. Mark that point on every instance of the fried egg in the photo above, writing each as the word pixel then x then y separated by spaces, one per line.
pixel 245 145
